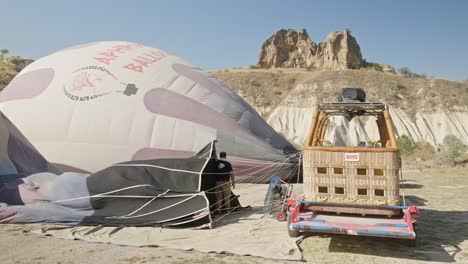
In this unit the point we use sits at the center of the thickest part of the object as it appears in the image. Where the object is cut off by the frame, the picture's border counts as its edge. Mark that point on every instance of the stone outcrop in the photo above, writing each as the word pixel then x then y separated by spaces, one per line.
pixel 19 63
pixel 292 49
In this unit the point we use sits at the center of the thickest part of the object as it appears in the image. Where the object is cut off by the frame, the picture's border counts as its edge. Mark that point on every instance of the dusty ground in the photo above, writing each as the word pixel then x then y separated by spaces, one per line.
pixel 442 195
pixel 443 236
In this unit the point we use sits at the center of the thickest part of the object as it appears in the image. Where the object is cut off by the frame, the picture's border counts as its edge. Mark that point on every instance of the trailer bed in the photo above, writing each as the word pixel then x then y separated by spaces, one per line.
pixel 401 226
pixel 354 225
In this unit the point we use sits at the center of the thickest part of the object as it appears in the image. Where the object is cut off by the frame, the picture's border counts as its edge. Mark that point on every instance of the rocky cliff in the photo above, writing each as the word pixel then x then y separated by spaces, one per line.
pixel 292 49
pixel 424 109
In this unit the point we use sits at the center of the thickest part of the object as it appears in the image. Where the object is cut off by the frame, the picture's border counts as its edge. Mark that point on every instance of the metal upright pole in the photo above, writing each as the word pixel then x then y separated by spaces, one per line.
pixel 299 169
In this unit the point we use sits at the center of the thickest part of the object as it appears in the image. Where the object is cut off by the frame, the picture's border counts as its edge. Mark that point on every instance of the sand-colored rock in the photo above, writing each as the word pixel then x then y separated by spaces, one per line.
pixel 289 48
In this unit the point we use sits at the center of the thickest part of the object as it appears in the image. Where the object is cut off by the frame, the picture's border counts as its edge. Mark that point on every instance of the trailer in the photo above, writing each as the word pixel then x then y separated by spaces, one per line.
pixel 308 216
pixel 352 187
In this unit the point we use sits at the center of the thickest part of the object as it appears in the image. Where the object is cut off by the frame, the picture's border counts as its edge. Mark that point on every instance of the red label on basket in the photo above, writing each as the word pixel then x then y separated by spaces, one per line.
pixel 351 157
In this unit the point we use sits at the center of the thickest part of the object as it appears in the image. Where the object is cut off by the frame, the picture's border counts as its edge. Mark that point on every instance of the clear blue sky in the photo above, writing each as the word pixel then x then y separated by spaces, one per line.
pixel 430 37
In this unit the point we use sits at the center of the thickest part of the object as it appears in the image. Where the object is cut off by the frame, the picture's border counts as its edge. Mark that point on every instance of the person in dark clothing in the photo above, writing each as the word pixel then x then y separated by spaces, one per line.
pixel 224 180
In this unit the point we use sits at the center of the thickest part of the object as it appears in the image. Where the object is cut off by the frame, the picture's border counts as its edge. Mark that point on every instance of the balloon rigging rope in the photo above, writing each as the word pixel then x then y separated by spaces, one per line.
pixel 155 211
pixel 197 172
pixel 153 166
pixel 272 165
pixel 279 162
pixel 214 205
pixel 230 211
pixel 101 194
pixel 260 178
pixel 143 206
pixel 149 202
pixel 106 194
pixel 236 197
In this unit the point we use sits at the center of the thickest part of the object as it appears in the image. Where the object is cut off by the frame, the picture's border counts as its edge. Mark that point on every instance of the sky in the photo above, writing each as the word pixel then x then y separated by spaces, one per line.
pixel 429 37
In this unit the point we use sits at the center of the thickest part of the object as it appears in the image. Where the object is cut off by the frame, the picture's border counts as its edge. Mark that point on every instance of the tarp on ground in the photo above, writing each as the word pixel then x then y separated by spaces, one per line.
pixel 245 233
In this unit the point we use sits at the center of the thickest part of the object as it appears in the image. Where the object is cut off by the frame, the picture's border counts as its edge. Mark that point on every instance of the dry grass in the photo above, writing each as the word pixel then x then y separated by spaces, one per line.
pixel 263 89
pixel 268 87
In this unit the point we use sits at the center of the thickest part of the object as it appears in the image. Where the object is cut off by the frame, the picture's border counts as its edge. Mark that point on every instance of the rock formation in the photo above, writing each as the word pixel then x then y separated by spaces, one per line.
pixel 289 48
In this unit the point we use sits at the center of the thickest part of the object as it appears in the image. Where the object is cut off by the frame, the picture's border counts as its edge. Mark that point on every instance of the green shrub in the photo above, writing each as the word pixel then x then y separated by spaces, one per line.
pixel 423 150
pixel 3 52
pixel 451 150
pixel 405 71
pixel 422 75
pixel 405 145
pixel 372 65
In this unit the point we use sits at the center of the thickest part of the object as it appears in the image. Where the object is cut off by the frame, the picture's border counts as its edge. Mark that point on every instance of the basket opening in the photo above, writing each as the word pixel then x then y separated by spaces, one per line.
pixel 379 192
pixel 338 170
pixel 339 190
pixel 378 172
pixel 361 171
pixel 323 189
pixel 362 191
pixel 321 170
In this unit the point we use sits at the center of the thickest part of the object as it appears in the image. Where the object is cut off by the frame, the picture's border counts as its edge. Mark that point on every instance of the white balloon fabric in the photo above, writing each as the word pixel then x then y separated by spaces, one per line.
pixel 93 105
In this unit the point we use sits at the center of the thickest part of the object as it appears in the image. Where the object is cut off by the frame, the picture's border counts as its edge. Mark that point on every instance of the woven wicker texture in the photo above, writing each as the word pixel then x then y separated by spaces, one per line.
pixel 372 179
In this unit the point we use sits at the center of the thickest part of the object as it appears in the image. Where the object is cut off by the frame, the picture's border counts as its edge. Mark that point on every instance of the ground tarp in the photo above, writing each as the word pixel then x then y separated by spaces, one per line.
pixel 244 233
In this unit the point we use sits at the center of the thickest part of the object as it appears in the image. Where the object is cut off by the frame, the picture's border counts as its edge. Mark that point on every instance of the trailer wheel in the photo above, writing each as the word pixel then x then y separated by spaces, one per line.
pixel 291 232
pixel 281 216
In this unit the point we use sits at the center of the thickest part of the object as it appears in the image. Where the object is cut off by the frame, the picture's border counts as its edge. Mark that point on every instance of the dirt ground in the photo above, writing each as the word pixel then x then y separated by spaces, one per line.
pixel 442 195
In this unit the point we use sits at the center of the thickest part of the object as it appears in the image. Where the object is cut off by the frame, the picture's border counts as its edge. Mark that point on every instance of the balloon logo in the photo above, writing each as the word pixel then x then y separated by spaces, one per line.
pixel 92 82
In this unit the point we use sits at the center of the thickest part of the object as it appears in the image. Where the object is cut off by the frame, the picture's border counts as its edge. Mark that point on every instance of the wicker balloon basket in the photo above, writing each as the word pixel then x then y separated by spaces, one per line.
pixel 365 176
pixel 368 178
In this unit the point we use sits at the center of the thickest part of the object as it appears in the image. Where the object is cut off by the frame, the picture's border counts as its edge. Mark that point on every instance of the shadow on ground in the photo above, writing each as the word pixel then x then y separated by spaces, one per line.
pixel 440 234
pixel 411 186
pixel 237 216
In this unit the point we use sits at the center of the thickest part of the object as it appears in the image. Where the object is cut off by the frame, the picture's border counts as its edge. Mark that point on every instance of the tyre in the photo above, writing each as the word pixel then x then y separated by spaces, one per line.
pixel 281 216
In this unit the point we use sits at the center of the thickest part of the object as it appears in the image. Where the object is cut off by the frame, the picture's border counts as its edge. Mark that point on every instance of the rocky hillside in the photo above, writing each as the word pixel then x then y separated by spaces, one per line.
pixel 292 49
pixel 426 109
pixel 9 67
pixel 294 73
